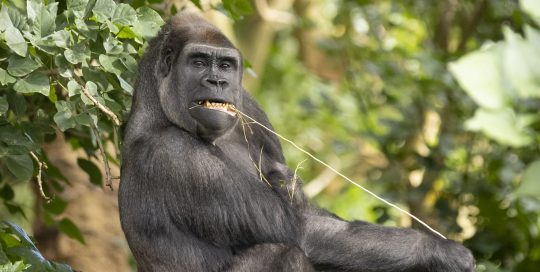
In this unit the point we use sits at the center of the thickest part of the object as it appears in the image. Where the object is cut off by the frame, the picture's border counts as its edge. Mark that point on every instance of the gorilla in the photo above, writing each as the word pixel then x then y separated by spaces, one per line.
pixel 200 191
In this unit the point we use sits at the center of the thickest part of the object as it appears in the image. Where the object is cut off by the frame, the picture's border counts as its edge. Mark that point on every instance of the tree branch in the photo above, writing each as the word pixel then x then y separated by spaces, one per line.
pixel 41 165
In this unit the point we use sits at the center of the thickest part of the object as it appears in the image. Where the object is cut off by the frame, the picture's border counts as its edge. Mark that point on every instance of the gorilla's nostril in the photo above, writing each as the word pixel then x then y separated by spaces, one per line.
pixel 216 82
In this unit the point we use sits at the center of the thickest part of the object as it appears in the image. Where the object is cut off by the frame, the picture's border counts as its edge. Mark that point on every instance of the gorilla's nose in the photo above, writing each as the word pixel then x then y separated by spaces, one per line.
pixel 216 82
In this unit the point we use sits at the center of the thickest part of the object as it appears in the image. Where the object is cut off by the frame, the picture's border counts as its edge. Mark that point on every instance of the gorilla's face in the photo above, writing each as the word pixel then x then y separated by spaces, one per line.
pixel 209 83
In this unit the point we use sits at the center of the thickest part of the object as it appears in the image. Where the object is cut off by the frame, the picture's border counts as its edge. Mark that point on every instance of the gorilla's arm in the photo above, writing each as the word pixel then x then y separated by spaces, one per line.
pixel 332 243
pixel 338 245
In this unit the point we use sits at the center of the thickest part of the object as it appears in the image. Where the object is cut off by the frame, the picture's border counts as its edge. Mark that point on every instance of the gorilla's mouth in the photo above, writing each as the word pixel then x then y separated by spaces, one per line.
pixel 222 106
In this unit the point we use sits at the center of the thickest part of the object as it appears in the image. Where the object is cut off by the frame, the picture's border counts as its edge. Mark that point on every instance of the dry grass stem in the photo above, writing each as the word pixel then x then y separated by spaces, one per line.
pixel 341 175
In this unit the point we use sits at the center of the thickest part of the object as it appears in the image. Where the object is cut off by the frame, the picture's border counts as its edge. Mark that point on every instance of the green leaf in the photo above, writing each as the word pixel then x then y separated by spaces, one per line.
pixel 19 232
pixel 5 78
pixel 125 33
pixel 35 83
pixel 17 104
pixel 92 89
pixel 125 85
pixel 480 74
pixel 89 29
pixel 20 166
pixel 4 106
pixel 33 8
pixel 85 119
pixel 64 116
pixel 18 266
pixel 110 64
pixel 5 21
pixel 530 182
pixel 237 8
pixel 73 88
pixel 148 24
pixel 78 7
pixel 70 229
pixel 11 17
pixel 77 54
pixel 124 15
pixel 521 62
pixel 113 46
pixel 92 170
pixel 532 7
pixel 16 41
pixel 503 125
pixel 42 18
pixel 56 206
pixel 61 38
pixel 129 62
pixel 19 67
pixel 65 69
pixel 103 9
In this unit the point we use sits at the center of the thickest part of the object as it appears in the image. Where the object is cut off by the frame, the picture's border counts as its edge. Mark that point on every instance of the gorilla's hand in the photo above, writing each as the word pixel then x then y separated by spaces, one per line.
pixel 449 256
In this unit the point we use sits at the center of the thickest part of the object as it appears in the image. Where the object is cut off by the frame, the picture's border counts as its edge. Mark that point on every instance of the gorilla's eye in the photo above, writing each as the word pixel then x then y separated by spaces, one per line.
pixel 225 65
pixel 198 63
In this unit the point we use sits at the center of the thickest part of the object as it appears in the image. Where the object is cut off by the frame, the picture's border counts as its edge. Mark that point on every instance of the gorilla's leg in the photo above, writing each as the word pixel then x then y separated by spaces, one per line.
pixel 270 258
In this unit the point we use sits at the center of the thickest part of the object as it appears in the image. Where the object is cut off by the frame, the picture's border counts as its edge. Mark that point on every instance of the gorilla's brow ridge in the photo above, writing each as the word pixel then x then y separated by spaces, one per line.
pixel 206 51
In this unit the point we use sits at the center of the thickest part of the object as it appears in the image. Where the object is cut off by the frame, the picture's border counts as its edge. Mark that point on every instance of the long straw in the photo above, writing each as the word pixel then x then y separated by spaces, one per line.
pixel 343 176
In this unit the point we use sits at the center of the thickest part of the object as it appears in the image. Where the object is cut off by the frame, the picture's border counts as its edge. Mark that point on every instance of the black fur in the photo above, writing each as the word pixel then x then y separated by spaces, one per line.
pixel 191 198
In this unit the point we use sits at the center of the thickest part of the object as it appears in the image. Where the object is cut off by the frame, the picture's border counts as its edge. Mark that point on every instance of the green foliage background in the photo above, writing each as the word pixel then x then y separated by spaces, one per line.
pixel 433 105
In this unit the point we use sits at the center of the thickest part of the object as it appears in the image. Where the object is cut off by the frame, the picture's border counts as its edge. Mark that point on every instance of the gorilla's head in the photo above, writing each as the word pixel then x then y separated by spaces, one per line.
pixel 201 74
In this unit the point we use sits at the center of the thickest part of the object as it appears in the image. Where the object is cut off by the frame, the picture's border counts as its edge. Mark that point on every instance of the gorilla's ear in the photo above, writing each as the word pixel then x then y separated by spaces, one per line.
pixel 165 62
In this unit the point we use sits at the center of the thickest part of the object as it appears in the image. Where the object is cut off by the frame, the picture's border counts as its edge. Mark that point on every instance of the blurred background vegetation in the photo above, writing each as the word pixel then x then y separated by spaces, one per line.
pixel 433 105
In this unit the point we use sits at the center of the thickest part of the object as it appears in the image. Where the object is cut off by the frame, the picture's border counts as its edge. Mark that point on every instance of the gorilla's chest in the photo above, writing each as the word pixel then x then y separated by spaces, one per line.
pixel 238 153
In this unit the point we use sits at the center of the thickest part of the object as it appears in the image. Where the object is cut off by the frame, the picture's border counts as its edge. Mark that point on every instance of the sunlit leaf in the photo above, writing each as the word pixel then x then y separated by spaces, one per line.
pixel 5 78
pixel 42 18
pixel 61 38
pixel 532 7
pixel 103 10
pixel 148 23
pixel 502 125
pixel 480 74
pixel 124 15
pixel 530 182
pixel 15 41
pixel 521 62
pixel 125 85
pixel 112 46
pixel 78 7
pixel 18 266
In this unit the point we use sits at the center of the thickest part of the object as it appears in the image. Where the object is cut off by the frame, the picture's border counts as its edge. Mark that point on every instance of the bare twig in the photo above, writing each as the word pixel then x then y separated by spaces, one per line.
pixel 108 176
pixel 100 106
pixel 41 165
